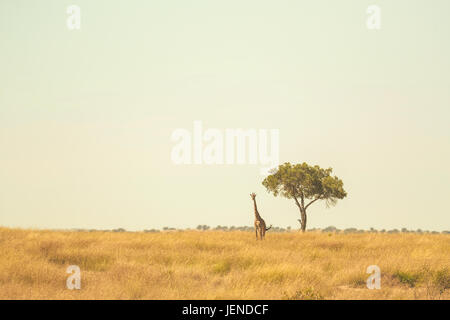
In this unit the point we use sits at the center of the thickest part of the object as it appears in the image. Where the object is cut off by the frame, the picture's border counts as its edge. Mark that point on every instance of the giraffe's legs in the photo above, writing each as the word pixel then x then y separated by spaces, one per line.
pixel 256 231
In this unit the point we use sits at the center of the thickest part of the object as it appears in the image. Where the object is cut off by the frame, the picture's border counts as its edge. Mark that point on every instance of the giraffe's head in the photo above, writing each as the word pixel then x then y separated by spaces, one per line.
pixel 253 195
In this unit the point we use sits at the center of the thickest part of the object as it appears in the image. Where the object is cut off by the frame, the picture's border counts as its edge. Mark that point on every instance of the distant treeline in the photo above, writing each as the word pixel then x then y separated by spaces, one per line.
pixel 330 229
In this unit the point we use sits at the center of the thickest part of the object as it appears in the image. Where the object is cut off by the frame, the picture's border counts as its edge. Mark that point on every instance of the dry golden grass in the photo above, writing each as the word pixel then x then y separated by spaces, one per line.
pixel 222 265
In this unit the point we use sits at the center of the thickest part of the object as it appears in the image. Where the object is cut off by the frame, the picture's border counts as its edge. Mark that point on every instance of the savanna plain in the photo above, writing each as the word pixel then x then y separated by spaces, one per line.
pixel 222 265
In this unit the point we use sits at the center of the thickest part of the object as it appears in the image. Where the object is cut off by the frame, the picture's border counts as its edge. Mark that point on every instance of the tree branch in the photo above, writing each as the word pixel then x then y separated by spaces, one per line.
pixel 318 198
pixel 298 203
pixel 302 198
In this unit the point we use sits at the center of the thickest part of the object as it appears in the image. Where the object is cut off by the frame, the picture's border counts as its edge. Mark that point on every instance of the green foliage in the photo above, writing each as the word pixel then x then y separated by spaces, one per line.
pixel 408 278
pixel 441 280
pixel 302 180
pixel 305 184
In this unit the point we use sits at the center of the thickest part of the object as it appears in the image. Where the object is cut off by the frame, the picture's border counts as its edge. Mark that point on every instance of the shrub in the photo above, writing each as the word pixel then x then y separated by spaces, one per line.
pixel 330 229
pixel 441 280
pixel 408 278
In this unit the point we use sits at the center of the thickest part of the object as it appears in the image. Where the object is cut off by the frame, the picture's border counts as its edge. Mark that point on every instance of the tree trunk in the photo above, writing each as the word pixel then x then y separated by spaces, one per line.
pixel 301 207
pixel 303 219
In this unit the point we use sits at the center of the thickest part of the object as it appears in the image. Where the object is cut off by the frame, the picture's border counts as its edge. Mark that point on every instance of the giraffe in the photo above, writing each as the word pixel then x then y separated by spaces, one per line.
pixel 260 224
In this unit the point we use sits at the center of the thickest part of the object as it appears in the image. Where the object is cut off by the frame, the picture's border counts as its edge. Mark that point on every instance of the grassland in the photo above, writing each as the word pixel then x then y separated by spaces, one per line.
pixel 222 265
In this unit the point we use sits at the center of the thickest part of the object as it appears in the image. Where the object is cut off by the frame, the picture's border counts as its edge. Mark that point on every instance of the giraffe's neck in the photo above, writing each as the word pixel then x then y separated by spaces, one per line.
pixel 257 216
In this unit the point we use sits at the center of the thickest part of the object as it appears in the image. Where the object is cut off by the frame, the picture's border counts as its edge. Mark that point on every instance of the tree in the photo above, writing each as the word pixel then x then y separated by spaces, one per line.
pixel 305 184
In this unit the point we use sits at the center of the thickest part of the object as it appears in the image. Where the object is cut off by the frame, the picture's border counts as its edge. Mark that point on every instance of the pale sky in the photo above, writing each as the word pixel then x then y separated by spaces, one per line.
pixel 86 116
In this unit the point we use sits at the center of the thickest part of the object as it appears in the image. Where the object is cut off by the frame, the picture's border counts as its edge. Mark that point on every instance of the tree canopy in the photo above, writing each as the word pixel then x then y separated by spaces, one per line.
pixel 305 184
